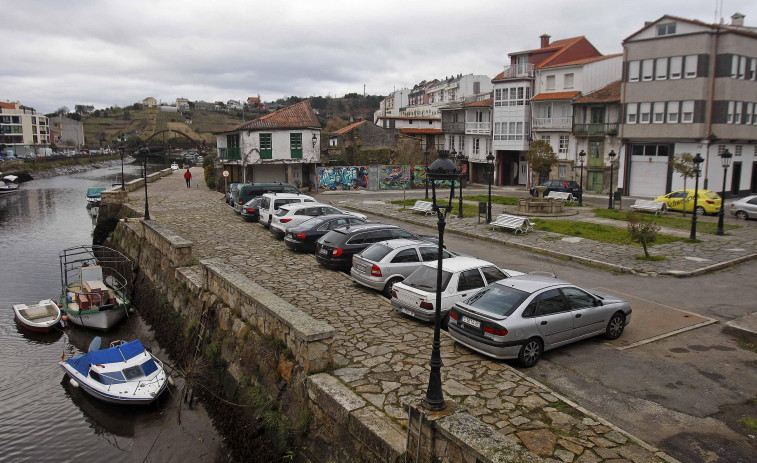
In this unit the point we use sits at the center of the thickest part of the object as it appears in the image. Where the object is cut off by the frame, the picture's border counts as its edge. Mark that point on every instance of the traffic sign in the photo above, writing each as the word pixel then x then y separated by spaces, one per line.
pixel 225 174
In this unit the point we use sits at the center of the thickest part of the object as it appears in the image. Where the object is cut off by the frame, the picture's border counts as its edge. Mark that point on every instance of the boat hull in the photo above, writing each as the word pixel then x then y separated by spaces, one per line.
pixel 112 398
pixel 101 319
pixel 40 318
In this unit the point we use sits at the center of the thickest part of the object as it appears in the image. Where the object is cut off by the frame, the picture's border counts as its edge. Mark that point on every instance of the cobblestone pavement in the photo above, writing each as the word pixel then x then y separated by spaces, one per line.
pixel 380 354
pixel 681 258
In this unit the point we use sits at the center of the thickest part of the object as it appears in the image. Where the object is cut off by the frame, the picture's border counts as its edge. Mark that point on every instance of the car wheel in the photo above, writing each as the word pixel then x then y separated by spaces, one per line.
pixel 530 353
pixel 616 326
pixel 741 215
pixel 389 286
pixel 700 210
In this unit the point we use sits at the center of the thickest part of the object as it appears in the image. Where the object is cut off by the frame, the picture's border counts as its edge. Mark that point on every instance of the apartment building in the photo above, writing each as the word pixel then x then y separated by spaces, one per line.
pixel 689 87
pixel 67 132
pixel 22 130
pixel 467 130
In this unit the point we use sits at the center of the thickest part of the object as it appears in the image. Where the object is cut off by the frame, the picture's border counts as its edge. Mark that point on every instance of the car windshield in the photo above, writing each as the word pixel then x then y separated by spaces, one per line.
pixel 376 252
pixel 498 300
pixel 425 278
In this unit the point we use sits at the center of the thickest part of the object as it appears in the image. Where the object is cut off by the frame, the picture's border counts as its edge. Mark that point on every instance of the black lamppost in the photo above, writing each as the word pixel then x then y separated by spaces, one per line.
pixel 698 160
pixel 582 156
pixel 121 152
pixel 612 160
pixel 490 172
pixel 460 161
pixel 425 155
pixel 144 151
pixel 443 169
pixel 725 157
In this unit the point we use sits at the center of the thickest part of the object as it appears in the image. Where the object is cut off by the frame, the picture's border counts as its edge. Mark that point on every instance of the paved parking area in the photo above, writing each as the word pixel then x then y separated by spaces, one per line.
pixel 384 356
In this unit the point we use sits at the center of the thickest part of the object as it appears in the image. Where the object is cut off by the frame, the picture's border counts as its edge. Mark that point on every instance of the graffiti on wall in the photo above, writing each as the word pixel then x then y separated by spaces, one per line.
pixel 343 178
pixel 394 178
pixel 419 176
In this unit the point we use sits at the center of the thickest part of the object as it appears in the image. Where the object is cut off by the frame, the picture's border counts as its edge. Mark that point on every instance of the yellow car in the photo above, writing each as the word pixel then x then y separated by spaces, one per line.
pixel 708 201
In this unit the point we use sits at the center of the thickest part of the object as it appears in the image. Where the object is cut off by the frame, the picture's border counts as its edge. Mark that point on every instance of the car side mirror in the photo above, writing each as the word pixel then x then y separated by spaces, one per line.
pixel 598 302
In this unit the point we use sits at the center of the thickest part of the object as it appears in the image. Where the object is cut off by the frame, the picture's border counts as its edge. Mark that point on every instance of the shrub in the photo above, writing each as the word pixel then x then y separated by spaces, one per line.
pixel 642 229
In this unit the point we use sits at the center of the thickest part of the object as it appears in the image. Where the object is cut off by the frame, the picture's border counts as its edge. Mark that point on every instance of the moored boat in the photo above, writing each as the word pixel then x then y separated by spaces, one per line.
pixel 8 184
pixel 40 317
pixel 95 286
pixel 93 196
pixel 125 373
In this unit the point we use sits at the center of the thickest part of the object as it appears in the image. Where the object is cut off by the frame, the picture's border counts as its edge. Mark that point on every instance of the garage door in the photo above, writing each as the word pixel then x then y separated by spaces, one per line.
pixel 649 169
pixel 269 174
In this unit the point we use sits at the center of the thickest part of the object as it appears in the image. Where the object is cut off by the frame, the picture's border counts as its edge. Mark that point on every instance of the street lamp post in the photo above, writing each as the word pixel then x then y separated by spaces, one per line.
pixel 582 156
pixel 460 160
pixel 490 175
pixel 612 161
pixel 725 157
pixel 144 151
pixel 121 152
pixel 443 169
pixel 317 179
pixel 425 154
pixel 698 159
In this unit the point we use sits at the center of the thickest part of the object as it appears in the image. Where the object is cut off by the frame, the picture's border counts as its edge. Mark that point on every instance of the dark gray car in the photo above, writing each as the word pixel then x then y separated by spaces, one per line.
pixel 523 316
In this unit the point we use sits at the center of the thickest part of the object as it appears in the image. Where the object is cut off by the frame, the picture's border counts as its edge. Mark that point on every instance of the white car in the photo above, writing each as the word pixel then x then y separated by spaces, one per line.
pixel 461 277
pixel 271 202
pixel 174 166
pixel 291 215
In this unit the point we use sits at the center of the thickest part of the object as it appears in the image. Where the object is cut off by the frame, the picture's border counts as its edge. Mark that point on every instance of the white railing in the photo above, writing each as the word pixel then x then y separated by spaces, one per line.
pixel 552 122
pixel 484 128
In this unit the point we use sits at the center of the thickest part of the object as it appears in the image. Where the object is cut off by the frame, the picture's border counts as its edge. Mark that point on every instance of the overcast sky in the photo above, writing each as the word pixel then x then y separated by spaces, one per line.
pixel 67 52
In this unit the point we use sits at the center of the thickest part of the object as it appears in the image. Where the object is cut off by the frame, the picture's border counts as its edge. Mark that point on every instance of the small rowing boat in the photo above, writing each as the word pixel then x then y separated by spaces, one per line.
pixel 40 317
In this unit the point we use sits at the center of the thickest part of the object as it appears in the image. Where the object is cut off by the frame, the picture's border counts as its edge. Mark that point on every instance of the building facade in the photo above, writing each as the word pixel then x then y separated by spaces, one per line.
pixel 689 87
pixel 22 130
pixel 67 132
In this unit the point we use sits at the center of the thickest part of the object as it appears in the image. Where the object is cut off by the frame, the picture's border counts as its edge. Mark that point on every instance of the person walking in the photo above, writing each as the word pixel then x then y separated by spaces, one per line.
pixel 187 176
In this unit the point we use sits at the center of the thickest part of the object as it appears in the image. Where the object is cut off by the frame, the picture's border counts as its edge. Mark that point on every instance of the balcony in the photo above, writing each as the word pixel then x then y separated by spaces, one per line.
pixel 478 128
pixel 516 71
pixel 452 127
pixel 229 154
pixel 552 123
pixel 588 130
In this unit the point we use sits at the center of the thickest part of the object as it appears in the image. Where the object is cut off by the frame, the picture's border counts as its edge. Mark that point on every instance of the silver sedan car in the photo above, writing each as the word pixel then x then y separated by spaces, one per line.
pixel 383 264
pixel 744 208
pixel 521 317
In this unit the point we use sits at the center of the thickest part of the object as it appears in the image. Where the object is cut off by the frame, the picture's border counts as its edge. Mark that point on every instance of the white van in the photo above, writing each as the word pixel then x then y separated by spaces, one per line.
pixel 270 203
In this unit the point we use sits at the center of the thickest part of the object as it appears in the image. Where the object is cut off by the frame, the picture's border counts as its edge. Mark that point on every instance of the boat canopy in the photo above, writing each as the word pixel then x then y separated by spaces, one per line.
pixel 10 178
pixel 116 354
pixel 95 192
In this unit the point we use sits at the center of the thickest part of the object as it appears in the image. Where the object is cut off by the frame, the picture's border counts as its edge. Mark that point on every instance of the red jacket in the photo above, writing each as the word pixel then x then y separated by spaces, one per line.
pixel 187 175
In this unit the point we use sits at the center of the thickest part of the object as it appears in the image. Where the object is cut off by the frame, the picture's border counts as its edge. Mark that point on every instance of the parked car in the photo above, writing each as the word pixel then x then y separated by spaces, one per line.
pixel 248 191
pixel 271 202
pixel 291 215
pixel 561 186
pixel 383 264
pixel 708 201
pixel 251 210
pixel 744 208
pixel 174 166
pixel 336 248
pixel 230 193
pixel 524 316
pixel 303 236
pixel 461 277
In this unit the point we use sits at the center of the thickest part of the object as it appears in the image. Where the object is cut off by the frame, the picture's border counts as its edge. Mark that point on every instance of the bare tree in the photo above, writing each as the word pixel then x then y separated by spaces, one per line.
pixel 541 157
pixel 642 230
pixel 683 163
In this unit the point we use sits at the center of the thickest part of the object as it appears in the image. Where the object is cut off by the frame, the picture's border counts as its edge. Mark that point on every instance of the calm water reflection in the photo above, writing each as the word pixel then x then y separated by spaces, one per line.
pixel 42 418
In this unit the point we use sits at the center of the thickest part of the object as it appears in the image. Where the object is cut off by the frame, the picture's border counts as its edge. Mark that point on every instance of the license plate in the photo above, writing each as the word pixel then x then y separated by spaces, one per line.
pixel 405 311
pixel 323 252
pixel 471 322
pixel 360 268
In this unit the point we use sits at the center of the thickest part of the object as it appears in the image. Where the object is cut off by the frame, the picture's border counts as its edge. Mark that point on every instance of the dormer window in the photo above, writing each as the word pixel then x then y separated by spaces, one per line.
pixel 666 29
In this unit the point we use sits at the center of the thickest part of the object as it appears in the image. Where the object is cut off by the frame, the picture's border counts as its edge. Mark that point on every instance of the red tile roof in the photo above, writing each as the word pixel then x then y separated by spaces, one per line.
pixel 555 96
pixel 584 61
pixel 296 116
pixel 7 105
pixel 608 94
pixel 351 126
pixel 422 131
pixel 485 103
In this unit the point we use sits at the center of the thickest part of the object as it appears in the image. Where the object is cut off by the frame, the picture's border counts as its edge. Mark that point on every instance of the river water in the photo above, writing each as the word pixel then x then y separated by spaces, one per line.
pixel 43 418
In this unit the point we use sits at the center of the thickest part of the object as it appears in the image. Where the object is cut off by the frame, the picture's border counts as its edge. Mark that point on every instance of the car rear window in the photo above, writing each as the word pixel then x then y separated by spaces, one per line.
pixel 425 279
pixel 712 195
pixel 376 252
pixel 282 211
pixel 498 300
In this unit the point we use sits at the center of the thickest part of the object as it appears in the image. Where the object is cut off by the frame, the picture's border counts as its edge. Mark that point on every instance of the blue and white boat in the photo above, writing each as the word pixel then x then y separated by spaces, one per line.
pixel 125 373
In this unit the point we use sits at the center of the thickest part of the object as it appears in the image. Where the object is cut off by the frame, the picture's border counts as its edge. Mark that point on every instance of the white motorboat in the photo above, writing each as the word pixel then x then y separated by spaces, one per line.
pixel 95 286
pixel 38 317
pixel 8 184
pixel 125 373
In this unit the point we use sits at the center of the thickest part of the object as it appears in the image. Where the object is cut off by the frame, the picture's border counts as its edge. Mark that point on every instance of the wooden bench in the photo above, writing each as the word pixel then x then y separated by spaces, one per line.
pixel 558 195
pixel 513 222
pixel 425 207
pixel 646 205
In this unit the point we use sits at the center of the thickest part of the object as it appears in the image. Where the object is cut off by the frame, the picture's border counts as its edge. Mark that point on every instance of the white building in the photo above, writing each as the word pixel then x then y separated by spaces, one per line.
pixel 22 129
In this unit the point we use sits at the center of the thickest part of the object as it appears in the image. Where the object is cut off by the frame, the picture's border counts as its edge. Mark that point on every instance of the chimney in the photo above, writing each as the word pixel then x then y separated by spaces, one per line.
pixel 544 40
pixel 737 19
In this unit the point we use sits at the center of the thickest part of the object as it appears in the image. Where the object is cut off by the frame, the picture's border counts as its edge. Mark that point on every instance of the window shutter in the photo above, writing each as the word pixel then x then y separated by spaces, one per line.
pixel 703 65
pixel 723 65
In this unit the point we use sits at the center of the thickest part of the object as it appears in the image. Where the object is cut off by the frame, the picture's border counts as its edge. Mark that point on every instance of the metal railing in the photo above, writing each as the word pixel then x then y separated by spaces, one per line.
pixel 552 122
pixel 596 129
pixel 518 70
pixel 452 127
pixel 483 128
pixel 229 153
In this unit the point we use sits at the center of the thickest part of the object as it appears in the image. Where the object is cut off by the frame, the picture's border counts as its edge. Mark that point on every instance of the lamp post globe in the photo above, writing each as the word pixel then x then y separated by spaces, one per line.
pixel 725 157
pixel 442 170
pixel 612 161
pixel 581 156
pixel 490 178
pixel 144 152
pixel 698 160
